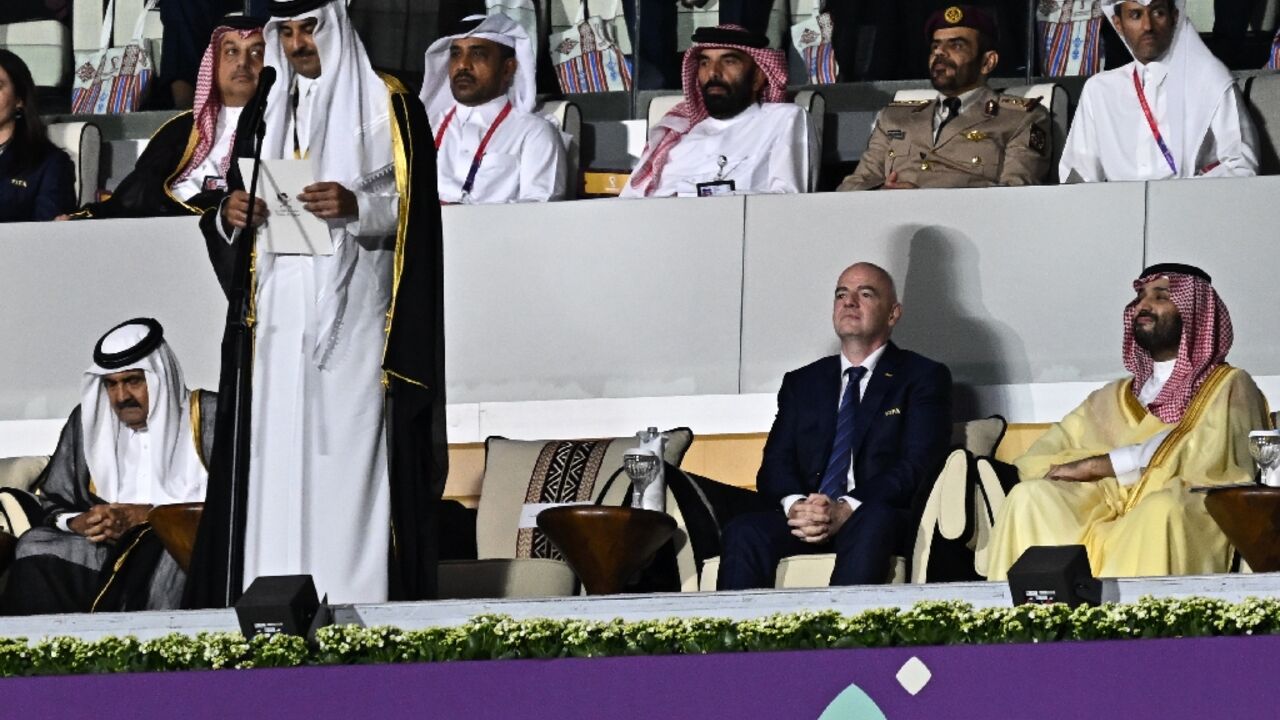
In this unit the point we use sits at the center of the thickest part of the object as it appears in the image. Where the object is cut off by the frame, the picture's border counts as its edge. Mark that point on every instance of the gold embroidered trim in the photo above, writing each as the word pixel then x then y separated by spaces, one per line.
pixel 197 431
pixel 404 188
pixel 115 570
pixel 1129 402
pixel 192 140
pixel 1208 390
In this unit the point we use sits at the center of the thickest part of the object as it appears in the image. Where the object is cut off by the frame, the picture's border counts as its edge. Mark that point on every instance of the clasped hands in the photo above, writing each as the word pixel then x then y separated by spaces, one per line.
pixel 108 522
pixel 817 518
pixel 325 200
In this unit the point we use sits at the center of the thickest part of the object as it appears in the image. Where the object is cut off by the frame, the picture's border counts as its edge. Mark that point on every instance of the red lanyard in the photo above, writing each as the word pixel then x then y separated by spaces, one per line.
pixel 1151 122
pixel 484 143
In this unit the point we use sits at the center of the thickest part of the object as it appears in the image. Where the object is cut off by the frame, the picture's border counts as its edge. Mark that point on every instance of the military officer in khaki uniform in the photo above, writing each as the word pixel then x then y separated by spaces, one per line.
pixel 969 136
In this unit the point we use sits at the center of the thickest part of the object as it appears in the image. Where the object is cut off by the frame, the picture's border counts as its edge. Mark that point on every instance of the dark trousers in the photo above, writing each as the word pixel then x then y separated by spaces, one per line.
pixel 864 547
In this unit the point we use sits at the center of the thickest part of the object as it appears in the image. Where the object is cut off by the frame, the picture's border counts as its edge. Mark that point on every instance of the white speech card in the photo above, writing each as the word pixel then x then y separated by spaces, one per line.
pixel 290 229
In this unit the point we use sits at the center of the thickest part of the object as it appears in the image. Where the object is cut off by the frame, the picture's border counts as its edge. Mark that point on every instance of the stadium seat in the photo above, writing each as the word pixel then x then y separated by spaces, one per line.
pixel 661 105
pixel 1262 96
pixel 1054 99
pixel 45 46
pixel 567 118
pixel 83 142
pixel 979 437
pixel 17 475
pixel 815 104
pixel 513 561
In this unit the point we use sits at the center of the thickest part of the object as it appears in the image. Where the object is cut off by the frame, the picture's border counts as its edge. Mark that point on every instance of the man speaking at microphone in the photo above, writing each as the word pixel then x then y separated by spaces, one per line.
pixel 347 414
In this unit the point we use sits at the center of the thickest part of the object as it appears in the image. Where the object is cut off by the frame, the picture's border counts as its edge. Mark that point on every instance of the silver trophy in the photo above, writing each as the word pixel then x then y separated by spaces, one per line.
pixel 643 464
pixel 1264 446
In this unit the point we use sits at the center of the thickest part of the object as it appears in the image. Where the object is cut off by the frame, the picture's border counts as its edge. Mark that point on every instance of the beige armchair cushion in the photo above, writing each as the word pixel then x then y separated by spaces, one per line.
pixel 505 578
pixel 979 437
pixel 517 472
pixel 21 472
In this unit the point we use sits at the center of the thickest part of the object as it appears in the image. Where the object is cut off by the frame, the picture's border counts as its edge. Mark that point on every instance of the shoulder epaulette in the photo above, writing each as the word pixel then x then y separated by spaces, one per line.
pixel 1020 103
pixel 909 103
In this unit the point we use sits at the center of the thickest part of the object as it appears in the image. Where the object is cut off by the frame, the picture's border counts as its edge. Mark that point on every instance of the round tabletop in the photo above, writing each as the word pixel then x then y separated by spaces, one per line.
pixel 606 546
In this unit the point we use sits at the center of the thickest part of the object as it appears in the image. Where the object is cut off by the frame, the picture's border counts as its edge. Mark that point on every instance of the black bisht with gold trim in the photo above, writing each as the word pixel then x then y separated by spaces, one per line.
pixel 413 373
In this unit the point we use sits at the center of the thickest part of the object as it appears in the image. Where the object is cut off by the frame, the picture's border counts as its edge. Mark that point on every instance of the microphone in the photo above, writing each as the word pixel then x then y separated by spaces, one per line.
pixel 266 78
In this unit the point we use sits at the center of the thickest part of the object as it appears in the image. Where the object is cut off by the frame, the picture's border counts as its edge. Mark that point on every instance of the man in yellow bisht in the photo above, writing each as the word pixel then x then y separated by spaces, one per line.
pixel 1115 475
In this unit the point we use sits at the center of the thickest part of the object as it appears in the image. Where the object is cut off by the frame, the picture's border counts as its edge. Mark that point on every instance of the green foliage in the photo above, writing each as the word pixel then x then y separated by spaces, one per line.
pixel 498 637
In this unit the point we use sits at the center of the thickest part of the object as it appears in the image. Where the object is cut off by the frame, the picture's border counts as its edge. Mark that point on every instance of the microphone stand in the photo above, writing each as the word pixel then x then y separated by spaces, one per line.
pixel 1031 40
pixel 240 323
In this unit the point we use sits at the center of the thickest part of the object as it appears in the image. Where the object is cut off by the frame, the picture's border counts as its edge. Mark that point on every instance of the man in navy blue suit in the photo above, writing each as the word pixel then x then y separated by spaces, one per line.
pixel 855 437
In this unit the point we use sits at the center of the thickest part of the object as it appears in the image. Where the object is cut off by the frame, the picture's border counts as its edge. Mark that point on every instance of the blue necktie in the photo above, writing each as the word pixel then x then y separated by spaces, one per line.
pixel 835 481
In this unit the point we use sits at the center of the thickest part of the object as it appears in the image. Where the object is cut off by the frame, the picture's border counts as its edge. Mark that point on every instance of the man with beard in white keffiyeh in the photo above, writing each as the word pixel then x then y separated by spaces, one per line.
pixel 347 411
pixel 138 439
pixel 1174 112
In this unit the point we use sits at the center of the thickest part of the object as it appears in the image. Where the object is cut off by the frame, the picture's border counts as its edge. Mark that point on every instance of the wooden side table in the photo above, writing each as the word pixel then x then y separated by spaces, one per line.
pixel 1250 518
pixel 606 546
pixel 176 526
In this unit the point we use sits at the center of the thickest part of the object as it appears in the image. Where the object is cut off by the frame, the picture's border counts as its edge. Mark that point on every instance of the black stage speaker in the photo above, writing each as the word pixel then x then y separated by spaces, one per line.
pixel 281 604
pixel 1050 574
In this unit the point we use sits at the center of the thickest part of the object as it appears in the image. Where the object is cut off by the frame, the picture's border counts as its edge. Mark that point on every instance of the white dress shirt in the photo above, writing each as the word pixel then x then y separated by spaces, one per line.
pixel 1110 138
pixel 211 166
pixel 845 364
pixel 1128 462
pixel 767 148
pixel 524 161
pixel 940 110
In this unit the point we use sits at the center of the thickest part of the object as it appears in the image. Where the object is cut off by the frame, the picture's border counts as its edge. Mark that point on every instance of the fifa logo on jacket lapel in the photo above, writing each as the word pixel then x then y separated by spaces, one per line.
pixel 893 411
pixel 19 182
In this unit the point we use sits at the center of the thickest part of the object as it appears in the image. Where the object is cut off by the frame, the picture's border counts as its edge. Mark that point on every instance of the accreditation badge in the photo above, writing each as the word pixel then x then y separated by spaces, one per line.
pixel 715 187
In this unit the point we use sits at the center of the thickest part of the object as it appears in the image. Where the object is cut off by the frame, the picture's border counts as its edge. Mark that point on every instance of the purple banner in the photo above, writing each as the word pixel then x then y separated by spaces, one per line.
pixel 1196 678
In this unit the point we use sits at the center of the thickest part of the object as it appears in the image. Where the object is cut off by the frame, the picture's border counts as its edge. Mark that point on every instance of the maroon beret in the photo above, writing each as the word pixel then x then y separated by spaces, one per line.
pixel 965 16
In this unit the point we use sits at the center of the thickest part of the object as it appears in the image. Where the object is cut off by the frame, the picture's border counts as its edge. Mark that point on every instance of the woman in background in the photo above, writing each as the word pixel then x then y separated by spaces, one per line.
pixel 37 179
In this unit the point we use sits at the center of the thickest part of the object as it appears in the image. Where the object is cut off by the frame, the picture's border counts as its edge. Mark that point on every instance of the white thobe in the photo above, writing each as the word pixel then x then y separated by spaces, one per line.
pixel 767 148
pixel 211 166
pixel 319 501
pixel 524 161
pixel 1110 138
pixel 1127 462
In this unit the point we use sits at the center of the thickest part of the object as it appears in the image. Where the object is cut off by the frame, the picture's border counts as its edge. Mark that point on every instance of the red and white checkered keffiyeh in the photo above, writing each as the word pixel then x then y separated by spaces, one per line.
pixel 208 103
pixel 683 117
pixel 1206 339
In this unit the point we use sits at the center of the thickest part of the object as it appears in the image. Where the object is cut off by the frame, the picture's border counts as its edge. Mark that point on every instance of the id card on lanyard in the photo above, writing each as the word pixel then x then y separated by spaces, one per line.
pixel 1151 123
pixel 484 144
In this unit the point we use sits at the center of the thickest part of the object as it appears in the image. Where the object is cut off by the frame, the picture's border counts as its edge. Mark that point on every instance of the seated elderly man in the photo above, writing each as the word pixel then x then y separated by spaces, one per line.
pixel 855 437
pixel 138 439
pixel 184 168
pixel 1115 475
pixel 1174 112
pixel 734 133
pixel 479 93
pixel 969 135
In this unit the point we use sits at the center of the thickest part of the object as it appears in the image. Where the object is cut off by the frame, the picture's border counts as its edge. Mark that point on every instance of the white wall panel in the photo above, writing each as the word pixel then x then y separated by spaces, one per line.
pixel 1007 286
pixel 595 299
